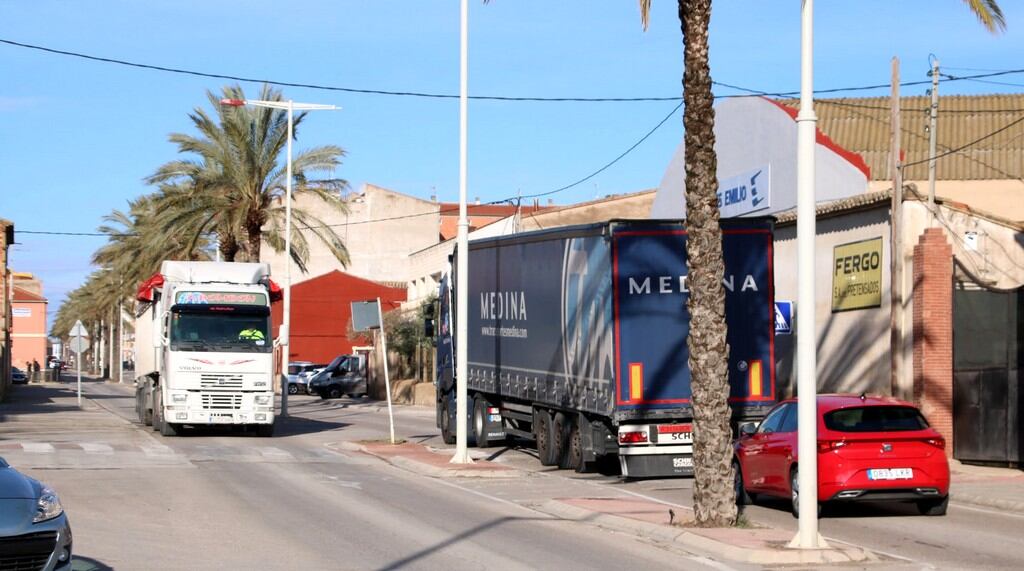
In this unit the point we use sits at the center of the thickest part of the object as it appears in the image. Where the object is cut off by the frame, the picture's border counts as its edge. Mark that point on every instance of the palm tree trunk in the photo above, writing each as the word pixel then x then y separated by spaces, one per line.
pixel 713 495
pixel 255 239
pixel 228 245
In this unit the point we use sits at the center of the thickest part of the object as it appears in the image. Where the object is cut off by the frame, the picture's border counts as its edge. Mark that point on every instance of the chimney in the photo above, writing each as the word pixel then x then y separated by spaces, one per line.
pixel 478 201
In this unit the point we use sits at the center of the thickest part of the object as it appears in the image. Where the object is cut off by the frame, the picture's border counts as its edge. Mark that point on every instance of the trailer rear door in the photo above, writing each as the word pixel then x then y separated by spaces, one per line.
pixel 652 322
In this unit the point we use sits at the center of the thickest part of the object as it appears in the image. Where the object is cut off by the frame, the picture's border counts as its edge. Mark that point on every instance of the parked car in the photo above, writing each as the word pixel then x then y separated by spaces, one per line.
pixel 18 376
pixel 345 375
pixel 870 448
pixel 34 530
pixel 298 380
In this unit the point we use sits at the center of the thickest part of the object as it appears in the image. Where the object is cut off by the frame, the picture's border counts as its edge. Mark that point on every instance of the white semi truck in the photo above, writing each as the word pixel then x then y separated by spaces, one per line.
pixel 203 348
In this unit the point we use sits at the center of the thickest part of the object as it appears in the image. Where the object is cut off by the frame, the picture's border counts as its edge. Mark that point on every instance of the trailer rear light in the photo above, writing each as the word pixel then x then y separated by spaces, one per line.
pixel 493 410
pixel 830 445
pixel 938 442
pixel 632 437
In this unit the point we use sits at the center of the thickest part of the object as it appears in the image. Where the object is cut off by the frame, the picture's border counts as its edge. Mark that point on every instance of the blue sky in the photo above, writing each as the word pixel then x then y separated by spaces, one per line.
pixel 78 137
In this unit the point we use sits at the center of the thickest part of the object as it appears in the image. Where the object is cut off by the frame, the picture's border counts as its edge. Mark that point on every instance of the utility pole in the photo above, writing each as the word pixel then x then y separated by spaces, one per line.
pixel 933 115
pixel 896 242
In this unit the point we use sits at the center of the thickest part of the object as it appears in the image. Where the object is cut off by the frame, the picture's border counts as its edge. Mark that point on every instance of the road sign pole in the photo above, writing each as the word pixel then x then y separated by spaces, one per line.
pixel 78 361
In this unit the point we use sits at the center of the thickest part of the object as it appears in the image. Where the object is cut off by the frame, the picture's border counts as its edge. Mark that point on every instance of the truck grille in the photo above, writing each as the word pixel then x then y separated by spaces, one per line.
pixel 220 381
pixel 227 401
pixel 26 552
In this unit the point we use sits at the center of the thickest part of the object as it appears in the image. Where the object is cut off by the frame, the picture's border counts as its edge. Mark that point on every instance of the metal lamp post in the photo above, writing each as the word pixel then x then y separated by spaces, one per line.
pixel 807 386
pixel 290 106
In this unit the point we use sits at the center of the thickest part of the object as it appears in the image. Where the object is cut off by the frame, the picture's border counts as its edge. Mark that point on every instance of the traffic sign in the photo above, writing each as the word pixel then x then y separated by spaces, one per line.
pixel 783 317
pixel 79 344
pixel 78 330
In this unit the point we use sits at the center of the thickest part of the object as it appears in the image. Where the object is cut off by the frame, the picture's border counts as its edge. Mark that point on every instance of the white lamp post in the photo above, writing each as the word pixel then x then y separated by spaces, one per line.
pixel 462 263
pixel 807 386
pixel 290 106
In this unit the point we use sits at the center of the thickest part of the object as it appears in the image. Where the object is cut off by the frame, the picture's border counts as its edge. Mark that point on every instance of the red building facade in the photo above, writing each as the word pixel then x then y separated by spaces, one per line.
pixel 322 312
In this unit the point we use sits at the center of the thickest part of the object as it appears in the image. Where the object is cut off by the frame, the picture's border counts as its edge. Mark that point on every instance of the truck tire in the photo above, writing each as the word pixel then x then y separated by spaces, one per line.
pixel 544 433
pixel 147 417
pixel 562 428
pixel 573 458
pixel 446 424
pixel 158 420
pixel 480 422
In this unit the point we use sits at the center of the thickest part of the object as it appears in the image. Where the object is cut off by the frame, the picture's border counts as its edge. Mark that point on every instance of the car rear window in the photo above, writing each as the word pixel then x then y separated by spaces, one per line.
pixel 875 419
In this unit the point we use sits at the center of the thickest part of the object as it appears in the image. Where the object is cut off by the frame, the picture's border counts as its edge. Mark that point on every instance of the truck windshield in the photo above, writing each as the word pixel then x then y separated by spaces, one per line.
pixel 220 328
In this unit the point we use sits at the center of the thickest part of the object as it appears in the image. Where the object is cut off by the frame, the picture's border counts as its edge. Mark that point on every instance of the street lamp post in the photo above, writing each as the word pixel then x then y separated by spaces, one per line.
pixel 289 106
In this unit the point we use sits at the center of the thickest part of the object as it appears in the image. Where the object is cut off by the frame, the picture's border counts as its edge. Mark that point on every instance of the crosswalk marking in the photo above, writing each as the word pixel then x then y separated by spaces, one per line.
pixel 156 450
pixel 274 453
pixel 96 448
pixel 37 447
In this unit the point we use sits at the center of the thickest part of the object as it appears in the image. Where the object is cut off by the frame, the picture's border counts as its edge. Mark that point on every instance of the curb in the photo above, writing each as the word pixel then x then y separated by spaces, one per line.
pixel 425 469
pixel 694 542
pixel 956 498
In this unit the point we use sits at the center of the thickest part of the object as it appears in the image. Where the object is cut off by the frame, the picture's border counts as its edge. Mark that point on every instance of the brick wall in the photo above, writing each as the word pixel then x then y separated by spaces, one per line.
pixel 933 331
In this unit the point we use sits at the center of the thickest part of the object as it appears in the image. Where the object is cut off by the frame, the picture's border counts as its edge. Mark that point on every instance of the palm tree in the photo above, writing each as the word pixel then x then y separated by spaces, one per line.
pixel 233 186
pixel 714 498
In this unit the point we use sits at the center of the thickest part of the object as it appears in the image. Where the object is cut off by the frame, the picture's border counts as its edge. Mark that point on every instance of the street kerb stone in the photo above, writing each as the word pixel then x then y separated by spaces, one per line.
pixel 649 520
pixel 426 461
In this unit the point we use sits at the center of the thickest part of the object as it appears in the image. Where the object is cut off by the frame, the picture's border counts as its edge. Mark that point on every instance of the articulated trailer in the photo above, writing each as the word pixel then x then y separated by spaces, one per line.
pixel 578 341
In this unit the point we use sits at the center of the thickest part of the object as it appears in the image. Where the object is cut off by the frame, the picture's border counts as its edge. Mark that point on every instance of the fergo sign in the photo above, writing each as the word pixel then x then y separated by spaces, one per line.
pixel 857 275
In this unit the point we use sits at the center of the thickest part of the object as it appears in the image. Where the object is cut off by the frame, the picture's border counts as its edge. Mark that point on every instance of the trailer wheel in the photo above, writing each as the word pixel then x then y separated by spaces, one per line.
pixel 573 458
pixel 545 434
pixel 446 424
pixel 562 428
pixel 147 417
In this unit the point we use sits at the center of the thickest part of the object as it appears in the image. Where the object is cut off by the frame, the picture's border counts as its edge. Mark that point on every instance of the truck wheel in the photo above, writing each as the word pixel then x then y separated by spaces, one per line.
pixel 158 419
pixel 573 458
pixel 446 424
pixel 544 432
pixel 562 429
pixel 168 429
pixel 334 392
pixel 147 417
pixel 480 422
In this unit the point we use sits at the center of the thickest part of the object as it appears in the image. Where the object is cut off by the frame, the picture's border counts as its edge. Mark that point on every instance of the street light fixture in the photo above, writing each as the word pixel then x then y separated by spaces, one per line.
pixel 290 106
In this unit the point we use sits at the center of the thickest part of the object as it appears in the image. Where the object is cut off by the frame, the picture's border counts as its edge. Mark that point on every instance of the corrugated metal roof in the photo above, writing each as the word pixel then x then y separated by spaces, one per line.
pixel 875 199
pixel 861 125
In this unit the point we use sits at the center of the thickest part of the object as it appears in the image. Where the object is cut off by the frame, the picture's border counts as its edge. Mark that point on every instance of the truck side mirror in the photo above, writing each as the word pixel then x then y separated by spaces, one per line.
pixel 158 330
pixel 282 335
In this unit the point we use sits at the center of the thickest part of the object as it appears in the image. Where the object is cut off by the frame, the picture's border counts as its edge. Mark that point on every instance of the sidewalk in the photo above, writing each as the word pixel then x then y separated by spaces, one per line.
pixel 646 518
pixel 998 488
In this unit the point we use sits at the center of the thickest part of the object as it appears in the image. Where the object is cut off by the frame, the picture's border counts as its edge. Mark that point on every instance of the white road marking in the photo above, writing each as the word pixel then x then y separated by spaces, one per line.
pixel 157 450
pixel 960 506
pixel 38 447
pixel 274 453
pixel 96 448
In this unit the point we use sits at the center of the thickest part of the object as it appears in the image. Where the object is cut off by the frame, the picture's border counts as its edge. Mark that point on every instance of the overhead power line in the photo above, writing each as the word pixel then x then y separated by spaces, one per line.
pixel 363 91
pixel 965 146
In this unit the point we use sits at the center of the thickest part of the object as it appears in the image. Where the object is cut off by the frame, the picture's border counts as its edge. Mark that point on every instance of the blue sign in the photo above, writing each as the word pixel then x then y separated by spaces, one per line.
pixel 783 317
pixel 745 193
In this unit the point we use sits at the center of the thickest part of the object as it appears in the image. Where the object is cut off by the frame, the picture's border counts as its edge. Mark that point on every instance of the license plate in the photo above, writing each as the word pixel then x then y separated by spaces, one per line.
pixel 891 474
pixel 682 462
pixel 686 437
pixel 222 418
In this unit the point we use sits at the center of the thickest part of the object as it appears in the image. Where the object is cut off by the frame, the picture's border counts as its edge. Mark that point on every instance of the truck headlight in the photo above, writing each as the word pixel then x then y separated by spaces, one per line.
pixel 179 399
pixel 262 399
pixel 47 506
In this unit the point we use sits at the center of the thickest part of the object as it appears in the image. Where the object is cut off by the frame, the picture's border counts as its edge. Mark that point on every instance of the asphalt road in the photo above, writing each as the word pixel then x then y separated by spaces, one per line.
pixel 213 500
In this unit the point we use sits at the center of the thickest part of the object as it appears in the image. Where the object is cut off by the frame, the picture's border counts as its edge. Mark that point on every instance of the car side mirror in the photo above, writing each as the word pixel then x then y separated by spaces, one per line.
pixel 747 429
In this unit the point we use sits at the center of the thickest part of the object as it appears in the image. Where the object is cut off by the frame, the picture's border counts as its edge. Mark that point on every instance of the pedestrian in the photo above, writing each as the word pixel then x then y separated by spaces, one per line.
pixel 35 370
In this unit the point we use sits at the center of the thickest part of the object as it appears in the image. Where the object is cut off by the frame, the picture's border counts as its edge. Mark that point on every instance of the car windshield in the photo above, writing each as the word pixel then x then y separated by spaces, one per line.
pixel 875 419
pixel 339 363
pixel 212 328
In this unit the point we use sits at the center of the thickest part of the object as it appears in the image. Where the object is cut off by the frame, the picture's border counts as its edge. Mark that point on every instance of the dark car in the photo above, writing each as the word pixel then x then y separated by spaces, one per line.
pixel 870 448
pixel 34 530
pixel 345 375
pixel 18 376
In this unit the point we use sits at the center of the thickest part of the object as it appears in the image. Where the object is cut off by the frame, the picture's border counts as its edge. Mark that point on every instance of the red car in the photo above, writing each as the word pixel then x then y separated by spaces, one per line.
pixel 870 448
